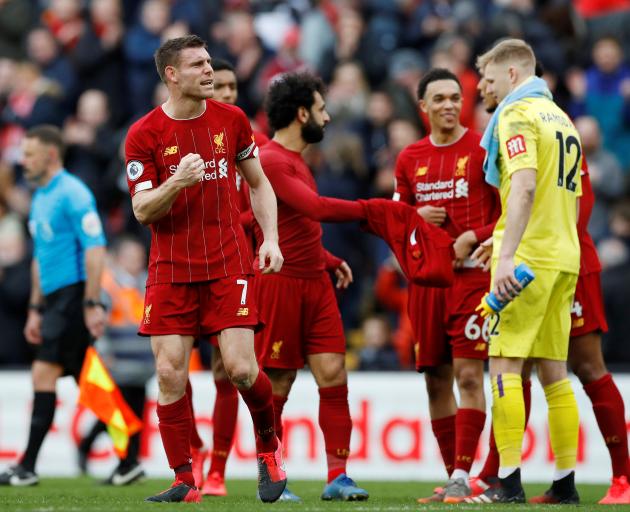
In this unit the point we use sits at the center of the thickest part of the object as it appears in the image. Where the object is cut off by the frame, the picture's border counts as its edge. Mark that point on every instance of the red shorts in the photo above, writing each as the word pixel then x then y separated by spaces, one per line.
pixel 587 311
pixel 445 322
pixel 301 317
pixel 199 309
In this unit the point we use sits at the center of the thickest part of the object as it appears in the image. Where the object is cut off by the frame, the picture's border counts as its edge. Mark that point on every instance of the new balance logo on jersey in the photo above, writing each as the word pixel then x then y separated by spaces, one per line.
pixel 242 312
pixel 171 150
pixel 516 146
pixel 461 188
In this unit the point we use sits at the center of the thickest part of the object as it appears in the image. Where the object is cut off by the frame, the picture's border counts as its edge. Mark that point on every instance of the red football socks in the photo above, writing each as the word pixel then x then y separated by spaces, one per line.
pixel 491 466
pixel 174 424
pixel 336 425
pixel 195 439
pixel 223 424
pixel 278 406
pixel 610 414
pixel 469 424
pixel 444 432
pixel 260 405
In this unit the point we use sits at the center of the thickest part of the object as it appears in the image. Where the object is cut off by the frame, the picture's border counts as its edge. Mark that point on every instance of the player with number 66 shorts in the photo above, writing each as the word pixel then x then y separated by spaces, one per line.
pixel 441 175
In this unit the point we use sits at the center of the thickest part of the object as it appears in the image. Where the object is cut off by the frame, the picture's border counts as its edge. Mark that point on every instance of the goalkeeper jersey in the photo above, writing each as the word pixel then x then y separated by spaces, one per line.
pixel 535 133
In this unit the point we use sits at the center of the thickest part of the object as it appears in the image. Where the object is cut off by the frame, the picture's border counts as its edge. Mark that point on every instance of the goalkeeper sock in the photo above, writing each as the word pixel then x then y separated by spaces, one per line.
pixel 491 467
pixel 563 423
pixel 508 418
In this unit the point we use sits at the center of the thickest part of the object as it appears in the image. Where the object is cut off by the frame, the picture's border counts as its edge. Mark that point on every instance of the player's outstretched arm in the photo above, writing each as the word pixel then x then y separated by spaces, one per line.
pixel 518 211
pixel 295 193
pixel 265 210
pixel 152 205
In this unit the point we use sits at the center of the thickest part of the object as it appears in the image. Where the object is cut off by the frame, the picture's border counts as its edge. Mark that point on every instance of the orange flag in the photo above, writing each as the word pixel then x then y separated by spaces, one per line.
pixel 99 393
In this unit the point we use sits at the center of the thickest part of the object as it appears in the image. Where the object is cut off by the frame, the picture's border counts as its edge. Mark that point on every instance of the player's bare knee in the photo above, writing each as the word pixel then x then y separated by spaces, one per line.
pixel 588 370
pixel 335 375
pixel 171 380
pixel 438 388
pixel 44 376
pixel 281 380
pixel 240 374
pixel 470 382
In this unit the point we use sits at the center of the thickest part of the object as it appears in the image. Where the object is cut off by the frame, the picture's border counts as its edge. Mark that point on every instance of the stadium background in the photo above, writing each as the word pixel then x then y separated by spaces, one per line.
pixel 87 66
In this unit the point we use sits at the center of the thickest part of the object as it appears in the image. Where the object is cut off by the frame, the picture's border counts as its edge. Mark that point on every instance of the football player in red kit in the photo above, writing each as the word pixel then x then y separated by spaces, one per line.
pixel 442 175
pixel 298 305
pixel 181 163
pixel 225 412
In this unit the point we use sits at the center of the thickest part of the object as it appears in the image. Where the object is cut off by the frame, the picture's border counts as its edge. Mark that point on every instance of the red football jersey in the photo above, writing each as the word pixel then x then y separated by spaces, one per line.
pixel 300 211
pixel 589 260
pixel 450 176
pixel 201 237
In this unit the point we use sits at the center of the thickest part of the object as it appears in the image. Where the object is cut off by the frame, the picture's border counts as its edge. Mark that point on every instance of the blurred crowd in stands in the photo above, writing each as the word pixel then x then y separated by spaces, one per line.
pixel 87 66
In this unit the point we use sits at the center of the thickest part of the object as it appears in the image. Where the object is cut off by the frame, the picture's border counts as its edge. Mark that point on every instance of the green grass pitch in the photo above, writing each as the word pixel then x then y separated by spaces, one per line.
pixel 85 494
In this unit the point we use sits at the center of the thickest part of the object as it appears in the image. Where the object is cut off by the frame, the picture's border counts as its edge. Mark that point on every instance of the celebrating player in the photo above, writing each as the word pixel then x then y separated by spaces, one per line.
pixel 442 175
pixel 181 162
pixel 533 161
pixel 588 321
pixel 298 304
pixel 225 411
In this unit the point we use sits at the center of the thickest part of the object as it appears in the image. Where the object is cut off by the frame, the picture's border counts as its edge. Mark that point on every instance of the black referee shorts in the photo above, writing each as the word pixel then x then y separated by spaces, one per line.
pixel 65 338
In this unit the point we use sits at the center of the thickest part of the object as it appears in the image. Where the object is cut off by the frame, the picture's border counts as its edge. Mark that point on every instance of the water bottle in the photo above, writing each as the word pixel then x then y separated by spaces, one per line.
pixel 490 304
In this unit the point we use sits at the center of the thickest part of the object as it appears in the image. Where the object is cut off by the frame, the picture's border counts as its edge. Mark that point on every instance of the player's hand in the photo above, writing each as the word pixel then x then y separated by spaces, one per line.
pixel 433 214
pixel 463 247
pixel 482 255
pixel 270 251
pixel 95 319
pixel 190 170
pixel 506 287
pixel 343 273
pixel 33 327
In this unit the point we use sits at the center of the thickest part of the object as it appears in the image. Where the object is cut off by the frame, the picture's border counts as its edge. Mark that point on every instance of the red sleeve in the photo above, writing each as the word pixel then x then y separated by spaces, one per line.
pixel 297 195
pixel 485 232
pixel 245 142
pixel 402 190
pixel 332 262
pixel 586 201
pixel 388 290
pixel 141 170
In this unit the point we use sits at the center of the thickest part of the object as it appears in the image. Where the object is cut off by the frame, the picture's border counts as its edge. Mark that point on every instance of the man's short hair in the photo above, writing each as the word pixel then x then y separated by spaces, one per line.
pixel 49 135
pixel 433 75
pixel 287 94
pixel 168 53
pixel 222 65
pixel 508 50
